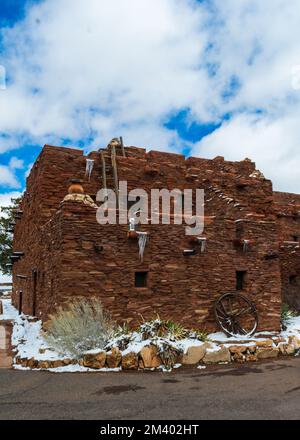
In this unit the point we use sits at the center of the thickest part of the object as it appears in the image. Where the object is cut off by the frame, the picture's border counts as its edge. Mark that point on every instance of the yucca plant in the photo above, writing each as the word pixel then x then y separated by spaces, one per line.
pixel 154 328
pixel 201 335
pixel 175 331
pixel 286 315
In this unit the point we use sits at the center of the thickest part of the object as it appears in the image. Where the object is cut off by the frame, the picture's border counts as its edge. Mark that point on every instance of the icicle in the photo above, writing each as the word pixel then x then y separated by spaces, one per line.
pixel 132 225
pixel 245 245
pixel 89 168
pixel 143 238
pixel 202 241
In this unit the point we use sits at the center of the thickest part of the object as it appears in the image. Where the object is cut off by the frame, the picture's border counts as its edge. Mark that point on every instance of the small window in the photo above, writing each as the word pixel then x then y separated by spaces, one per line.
pixel 295 238
pixel 141 279
pixel 293 280
pixel 240 279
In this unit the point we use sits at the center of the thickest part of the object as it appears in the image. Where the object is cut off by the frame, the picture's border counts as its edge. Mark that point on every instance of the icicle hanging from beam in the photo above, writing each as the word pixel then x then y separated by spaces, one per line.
pixel 89 168
pixel 142 240
pixel 202 242
pixel 246 245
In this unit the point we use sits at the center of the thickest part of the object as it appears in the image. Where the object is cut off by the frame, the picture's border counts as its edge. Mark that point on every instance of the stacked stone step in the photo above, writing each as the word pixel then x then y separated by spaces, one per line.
pixel 5 344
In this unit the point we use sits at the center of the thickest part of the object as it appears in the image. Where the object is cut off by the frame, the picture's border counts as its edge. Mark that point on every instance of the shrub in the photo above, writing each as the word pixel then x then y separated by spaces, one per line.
pixel 201 335
pixel 80 327
pixel 286 315
pixel 170 330
pixel 169 354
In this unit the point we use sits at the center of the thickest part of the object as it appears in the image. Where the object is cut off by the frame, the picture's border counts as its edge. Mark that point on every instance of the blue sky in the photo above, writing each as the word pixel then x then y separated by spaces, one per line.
pixel 203 78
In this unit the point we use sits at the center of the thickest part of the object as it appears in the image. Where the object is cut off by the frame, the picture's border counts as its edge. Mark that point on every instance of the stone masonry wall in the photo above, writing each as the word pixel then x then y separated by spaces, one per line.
pixel 63 242
pixel 287 209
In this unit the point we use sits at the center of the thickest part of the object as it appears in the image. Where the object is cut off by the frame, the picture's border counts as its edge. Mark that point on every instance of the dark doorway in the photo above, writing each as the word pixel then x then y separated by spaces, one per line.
pixel 293 280
pixel 240 279
pixel 20 302
pixel 34 288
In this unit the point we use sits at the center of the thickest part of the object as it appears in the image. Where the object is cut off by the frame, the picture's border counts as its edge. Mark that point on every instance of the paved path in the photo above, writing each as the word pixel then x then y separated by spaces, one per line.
pixel 269 390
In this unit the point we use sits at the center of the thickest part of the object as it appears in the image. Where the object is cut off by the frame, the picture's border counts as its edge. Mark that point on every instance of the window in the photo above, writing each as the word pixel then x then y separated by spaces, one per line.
pixel 295 238
pixel 141 279
pixel 293 280
pixel 240 279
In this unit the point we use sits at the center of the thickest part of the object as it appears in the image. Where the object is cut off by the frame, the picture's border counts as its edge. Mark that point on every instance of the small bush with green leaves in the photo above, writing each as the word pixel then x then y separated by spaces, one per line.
pixel 168 329
pixel 286 315
pixel 81 326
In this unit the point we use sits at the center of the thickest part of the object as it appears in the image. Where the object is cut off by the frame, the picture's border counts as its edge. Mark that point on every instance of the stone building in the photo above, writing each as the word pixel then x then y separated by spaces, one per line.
pixel 61 252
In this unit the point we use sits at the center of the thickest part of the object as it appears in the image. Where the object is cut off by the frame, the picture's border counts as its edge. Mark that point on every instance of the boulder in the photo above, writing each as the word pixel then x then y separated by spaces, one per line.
pixel 194 354
pixel 250 357
pixel 130 361
pixel 239 357
pixel 237 349
pixel 70 362
pixel 278 340
pixel 32 363
pixel 216 356
pixel 295 341
pixel 267 352
pixel 286 349
pixel 43 365
pixel 57 364
pixel 95 360
pixel 150 357
pixel 264 343
pixel 113 358
pixel 251 348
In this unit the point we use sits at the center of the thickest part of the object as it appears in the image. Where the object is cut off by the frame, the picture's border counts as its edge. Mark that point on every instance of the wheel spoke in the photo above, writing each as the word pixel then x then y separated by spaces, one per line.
pixel 218 309
pixel 229 310
pixel 242 330
pixel 224 310
pixel 245 311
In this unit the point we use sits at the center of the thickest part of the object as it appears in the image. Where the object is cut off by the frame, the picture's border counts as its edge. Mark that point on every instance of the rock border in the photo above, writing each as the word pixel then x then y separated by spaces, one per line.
pixel 148 358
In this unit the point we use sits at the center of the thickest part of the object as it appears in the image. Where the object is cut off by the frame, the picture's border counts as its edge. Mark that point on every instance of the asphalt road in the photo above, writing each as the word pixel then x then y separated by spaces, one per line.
pixel 269 390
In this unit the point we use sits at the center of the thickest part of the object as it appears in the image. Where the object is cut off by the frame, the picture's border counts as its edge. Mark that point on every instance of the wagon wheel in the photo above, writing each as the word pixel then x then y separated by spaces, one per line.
pixel 236 315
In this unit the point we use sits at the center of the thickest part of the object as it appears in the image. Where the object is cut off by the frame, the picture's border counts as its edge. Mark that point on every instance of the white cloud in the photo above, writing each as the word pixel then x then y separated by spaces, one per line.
pixel 271 143
pixel 7 173
pixel 16 164
pixel 106 69
pixel 121 67
pixel 5 198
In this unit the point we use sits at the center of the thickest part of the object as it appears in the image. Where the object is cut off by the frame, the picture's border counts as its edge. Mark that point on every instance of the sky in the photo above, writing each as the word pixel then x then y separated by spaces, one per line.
pixel 205 78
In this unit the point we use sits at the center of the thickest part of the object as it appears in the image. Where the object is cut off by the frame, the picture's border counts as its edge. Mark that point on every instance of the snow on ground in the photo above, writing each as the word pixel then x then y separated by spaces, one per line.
pixel 71 369
pixel 9 311
pixel 28 339
pixel 293 327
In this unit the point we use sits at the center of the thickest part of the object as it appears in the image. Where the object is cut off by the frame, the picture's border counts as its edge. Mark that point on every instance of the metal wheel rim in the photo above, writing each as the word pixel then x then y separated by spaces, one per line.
pixel 229 323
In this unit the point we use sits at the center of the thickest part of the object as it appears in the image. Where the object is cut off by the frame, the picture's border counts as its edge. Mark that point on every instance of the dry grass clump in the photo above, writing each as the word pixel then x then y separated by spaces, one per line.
pixel 81 326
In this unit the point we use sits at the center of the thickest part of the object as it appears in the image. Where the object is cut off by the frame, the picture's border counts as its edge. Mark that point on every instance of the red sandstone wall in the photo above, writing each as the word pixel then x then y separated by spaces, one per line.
pixel 181 288
pixel 60 245
pixel 287 209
